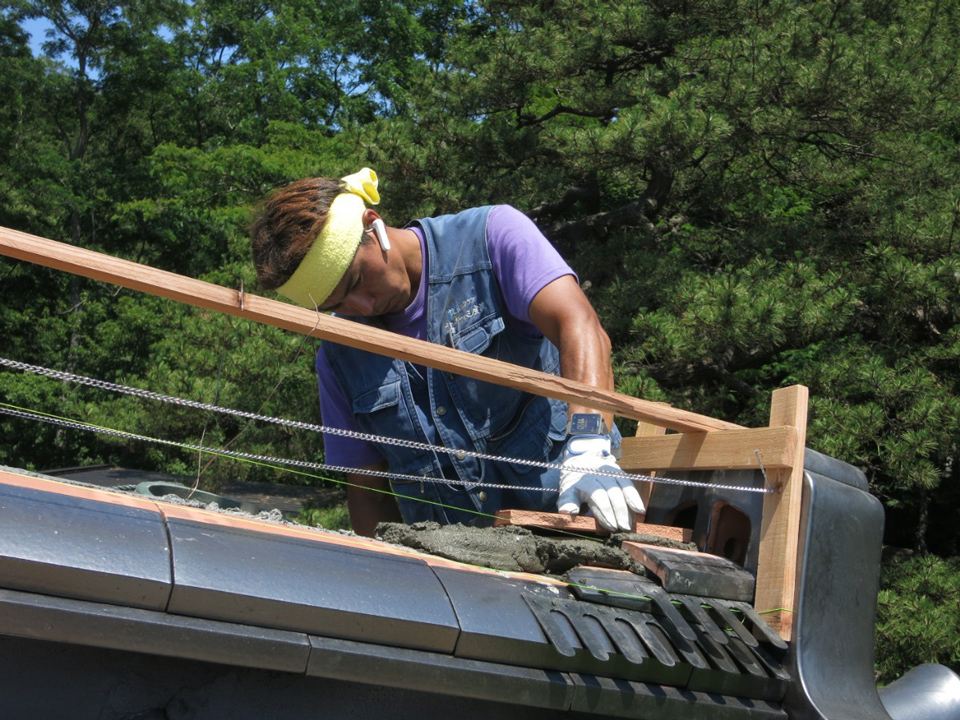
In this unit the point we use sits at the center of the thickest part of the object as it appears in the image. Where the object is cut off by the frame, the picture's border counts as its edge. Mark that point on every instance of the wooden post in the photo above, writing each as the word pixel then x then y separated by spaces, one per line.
pixel 780 526
pixel 645 429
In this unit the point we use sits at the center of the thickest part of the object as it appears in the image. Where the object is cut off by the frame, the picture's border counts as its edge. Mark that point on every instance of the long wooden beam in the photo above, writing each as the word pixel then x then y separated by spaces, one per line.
pixel 144 278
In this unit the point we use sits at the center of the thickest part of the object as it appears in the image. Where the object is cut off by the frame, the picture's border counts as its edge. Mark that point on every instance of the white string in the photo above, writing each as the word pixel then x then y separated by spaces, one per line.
pixel 411 444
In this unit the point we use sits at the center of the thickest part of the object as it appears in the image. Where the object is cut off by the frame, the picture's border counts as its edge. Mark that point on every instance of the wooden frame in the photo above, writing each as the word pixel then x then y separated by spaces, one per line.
pixel 705 443
pixel 778 450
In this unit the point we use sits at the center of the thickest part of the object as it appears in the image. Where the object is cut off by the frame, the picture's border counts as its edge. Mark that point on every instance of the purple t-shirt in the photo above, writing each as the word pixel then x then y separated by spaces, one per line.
pixel 524 262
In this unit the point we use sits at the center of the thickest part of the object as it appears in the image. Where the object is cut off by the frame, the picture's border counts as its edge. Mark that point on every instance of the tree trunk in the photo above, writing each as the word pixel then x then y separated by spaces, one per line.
pixel 923 522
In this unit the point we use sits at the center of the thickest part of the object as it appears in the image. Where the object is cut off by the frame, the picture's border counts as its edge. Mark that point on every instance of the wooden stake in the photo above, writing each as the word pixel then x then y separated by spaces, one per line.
pixel 780 527
pixel 644 430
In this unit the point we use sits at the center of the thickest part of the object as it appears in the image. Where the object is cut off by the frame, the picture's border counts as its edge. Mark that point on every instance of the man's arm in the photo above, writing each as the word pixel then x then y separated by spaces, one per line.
pixel 564 315
pixel 371 506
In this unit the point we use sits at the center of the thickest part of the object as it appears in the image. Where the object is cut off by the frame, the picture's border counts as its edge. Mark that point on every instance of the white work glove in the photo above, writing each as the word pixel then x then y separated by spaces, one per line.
pixel 612 500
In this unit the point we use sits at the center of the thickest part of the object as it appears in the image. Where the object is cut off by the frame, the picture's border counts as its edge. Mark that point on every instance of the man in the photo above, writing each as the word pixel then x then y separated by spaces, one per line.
pixel 485 281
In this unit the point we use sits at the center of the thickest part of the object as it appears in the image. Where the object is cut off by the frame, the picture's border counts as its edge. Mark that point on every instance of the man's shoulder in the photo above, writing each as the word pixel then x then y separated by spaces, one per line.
pixel 462 215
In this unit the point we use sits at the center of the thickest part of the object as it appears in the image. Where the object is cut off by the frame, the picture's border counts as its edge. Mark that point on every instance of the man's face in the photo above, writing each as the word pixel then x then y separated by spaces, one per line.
pixel 375 283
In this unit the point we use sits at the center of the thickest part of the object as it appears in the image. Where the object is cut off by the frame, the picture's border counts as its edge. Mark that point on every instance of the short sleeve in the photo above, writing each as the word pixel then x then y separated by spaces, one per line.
pixel 524 262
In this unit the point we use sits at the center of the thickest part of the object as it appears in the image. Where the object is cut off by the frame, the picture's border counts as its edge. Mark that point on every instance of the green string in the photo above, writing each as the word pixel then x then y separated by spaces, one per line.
pixel 260 463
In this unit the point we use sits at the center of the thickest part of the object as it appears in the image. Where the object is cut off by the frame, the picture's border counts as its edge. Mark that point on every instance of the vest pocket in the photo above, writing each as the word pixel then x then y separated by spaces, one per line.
pixel 377 398
pixel 476 339
pixel 381 411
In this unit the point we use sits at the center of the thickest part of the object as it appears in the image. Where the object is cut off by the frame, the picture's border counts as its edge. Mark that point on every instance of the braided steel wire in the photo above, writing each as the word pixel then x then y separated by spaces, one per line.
pixel 399 442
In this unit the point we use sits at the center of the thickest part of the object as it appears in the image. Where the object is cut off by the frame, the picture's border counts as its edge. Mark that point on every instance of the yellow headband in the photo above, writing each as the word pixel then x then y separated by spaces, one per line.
pixel 328 258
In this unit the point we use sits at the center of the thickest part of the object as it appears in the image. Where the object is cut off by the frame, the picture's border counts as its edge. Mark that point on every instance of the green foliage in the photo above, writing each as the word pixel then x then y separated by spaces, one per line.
pixel 918 615
pixel 754 195
pixel 329 518
pixel 758 194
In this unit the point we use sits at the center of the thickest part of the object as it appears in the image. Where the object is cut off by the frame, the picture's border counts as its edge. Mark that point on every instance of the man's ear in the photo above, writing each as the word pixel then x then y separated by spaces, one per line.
pixel 372 221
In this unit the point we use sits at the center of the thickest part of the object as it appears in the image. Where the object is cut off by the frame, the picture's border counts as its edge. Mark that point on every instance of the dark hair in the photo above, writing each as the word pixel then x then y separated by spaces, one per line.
pixel 285 225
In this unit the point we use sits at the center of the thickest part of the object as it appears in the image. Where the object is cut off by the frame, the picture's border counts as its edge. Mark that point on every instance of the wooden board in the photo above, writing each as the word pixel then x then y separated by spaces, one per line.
pixel 644 430
pixel 580 524
pixel 143 278
pixel 719 450
pixel 780 525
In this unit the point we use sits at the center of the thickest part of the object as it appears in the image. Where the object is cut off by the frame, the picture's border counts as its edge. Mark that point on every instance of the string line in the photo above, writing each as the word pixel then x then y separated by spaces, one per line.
pixel 275 463
pixel 15 411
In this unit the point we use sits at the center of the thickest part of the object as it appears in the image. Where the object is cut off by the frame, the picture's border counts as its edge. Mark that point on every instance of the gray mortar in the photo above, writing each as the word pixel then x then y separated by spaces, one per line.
pixel 273 515
pixel 509 548
pixel 618 538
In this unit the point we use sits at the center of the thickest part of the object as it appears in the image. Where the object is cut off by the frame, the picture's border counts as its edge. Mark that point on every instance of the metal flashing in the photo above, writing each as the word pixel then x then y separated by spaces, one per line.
pixel 79 622
pixel 79 547
pixel 277 581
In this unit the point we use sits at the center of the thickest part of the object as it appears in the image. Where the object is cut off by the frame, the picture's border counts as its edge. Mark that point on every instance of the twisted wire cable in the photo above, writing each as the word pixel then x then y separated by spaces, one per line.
pixel 399 442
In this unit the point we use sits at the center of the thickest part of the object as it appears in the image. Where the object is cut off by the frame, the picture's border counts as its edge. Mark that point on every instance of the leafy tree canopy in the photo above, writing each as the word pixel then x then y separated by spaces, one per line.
pixel 754 194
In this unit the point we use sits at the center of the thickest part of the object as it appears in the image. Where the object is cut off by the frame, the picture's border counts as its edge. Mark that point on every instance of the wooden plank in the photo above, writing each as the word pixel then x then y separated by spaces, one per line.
pixel 143 278
pixel 580 524
pixel 645 430
pixel 719 450
pixel 780 526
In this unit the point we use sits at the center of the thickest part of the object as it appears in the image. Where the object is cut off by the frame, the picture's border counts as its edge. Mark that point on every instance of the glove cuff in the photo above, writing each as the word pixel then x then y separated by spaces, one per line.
pixel 588 445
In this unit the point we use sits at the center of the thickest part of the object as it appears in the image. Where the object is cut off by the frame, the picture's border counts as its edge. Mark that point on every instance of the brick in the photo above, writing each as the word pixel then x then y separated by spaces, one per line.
pixel 694 573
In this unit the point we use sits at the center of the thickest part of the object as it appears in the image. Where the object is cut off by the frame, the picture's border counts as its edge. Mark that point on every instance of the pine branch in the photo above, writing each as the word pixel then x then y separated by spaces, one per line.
pixel 638 213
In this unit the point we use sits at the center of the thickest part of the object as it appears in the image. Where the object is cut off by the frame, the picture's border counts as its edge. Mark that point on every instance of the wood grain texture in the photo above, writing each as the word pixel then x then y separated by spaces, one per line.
pixel 143 278
pixel 644 430
pixel 719 450
pixel 780 526
pixel 581 524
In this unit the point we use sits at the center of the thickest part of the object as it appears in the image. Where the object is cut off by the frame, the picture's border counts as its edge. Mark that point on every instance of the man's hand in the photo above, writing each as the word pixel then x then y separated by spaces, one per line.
pixel 612 500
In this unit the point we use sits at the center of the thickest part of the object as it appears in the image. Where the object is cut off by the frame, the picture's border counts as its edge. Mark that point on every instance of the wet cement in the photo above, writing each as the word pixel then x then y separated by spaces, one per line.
pixel 517 549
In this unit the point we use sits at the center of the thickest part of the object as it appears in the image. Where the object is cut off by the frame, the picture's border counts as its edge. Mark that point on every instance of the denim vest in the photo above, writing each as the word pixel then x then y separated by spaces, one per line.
pixel 464 310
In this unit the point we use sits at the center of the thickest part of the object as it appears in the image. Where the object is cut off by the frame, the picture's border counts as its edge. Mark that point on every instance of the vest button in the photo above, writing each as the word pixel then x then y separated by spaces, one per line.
pixel 441 410
pixel 482 495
